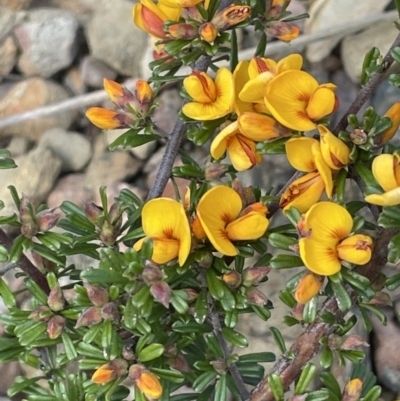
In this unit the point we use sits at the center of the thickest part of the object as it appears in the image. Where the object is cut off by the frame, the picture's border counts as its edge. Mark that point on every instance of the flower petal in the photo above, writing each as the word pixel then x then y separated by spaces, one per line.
pixel 165 250
pixel 308 288
pixel 248 227
pixel 103 118
pixel 287 97
pixel 335 152
pixel 221 141
pixel 321 103
pixel 292 62
pixel 383 171
pixel 253 90
pixel 356 249
pixel 389 198
pixel 242 152
pixel 200 87
pixel 241 76
pixel 323 169
pixel 299 153
pixel 320 257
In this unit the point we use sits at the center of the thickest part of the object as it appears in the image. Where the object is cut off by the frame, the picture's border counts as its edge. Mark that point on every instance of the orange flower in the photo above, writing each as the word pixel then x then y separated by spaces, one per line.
pixel 308 287
pixel 105 119
pixel 110 371
pixel 145 381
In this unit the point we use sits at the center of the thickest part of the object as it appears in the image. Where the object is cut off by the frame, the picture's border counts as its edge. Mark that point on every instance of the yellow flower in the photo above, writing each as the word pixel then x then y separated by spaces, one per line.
pixel 394 114
pixel 208 32
pixel 261 71
pixel 219 211
pixel 335 152
pixel 212 99
pixel 107 119
pixel 326 227
pixel 386 170
pixel 308 287
pixel 150 17
pixel 110 371
pixel 146 381
pixel 352 391
pixel 165 222
pixel 296 99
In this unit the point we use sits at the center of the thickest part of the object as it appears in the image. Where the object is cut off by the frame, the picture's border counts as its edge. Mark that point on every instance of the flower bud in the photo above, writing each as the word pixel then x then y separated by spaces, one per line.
pixel 277 8
pixel 110 371
pixel 381 298
pixel 219 365
pixel 335 342
pixel 24 213
pixel 179 363
pixel 170 350
pixel 110 312
pixel 161 292
pixel 151 273
pixel 41 314
pixel 297 312
pixel 145 381
pixel 127 353
pixel 230 16
pixel 182 31
pixel 56 299
pixel 191 294
pixel 144 95
pixel 215 171
pixel 92 211
pixel 254 275
pixel 203 258
pixel 352 391
pixel 233 279
pixel 255 297
pixel 308 287
pixel 98 295
pixel 353 341
pixel 208 32
pixel 108 119
pixel 200 234
pixel 108 234
pixel 47 219
pixel 43 265
pixel 89 317
pixel 283 31
pixel 55 326
pixel 358 136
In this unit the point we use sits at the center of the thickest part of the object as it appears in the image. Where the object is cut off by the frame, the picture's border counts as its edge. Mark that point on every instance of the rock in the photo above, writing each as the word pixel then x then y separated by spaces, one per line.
pixel 73 149
pixel 111 21
pixel 18 146
pixel 140 152
pixel 384 97
pixel 110 167
pixel 35 176
pixel 166 114
pixel 31 94
pixel 8 55
pixel 354 47
pixel 73 81
pixel 15 4
pixel 69 188
pixel 93 72
pixel 8 18
pixel 325 14
pixel 48 41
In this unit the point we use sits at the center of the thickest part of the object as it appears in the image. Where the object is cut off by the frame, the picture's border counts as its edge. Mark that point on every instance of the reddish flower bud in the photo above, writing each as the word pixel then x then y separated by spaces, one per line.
pixel 145 381
pixel 98 295
pixel 110 312
pixel 358 137
pixel 47 219
pixel 127 353
pixel 144 95
pixel 56 299
pixel 208 32
pixel 255 297
pixel 283 31
pixel 297 312
pixel 191 294
pixel 182 31
pixel 43 265
pixel 92 211
pixel 41 314
pixel 277 8
pixel 352 391
pixel 215 171
pixel 381 298
pixel 170 350
pixel 204 258
pixel 151 273
pixel 179 363
pixel 161 292
pixel 254 275
pixel 353 342
pixel 233 279
pixel 110 371
pixel 55 326
pixel 89 317
pixel 24 213
pixel 230 16
pixel 335 342
pixel 108 234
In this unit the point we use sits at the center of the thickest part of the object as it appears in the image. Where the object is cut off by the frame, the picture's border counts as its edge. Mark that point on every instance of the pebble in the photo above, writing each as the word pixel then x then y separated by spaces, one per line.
pixel 31 94
pixel 8 56
pixel 93 71
pixel 48 41
pixel 73 149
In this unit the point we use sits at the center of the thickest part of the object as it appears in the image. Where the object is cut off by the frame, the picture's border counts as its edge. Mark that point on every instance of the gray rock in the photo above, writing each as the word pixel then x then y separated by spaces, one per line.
pixel 18 146
pixel 93 72
pixel 325 14
pixel 110 167
pixel 15 4
pixel 73 81
pixel 354 48
pixel 9 19
pixel 114 20
pixel 8 55
pixel 73 149
pixel 35 176
pixel 31 94
pixel 48 41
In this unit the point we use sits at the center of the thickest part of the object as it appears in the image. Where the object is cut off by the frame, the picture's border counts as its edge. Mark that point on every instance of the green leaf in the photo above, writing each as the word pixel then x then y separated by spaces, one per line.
pixel 282 241
pixel 69 346
pixel 331 384
pixel 7 295
pixel 151 352
pixel 200 308
pixel 280 342
pixel 20 384
pixel 231 319
pixel 257 357
pixel 272 147
pixel 326 358
pixel 233 60
pixel 310 310
pixel 170 375
pixel 342 296
pixel 235 338
pixel 36 291
pixel 100 276
pixel 366 175
pixel 285 261
pixel 319 395
pixel 306 377
pixel 203 380
pixel 215 285
pixel 394 249
pixel 276 386
pixel 221 389
pixel 213 345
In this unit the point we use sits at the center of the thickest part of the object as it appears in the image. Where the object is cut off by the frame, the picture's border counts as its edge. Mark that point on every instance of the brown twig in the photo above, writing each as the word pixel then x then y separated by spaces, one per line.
pixel 25 264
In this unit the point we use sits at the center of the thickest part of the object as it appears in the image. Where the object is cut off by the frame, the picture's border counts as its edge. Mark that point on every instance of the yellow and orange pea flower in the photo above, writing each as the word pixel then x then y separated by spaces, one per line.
pixel 326 239
pixel 110 371
pixel 212 99
pixel 386 170
pixel 223 220
pixel 308 287
pixel 239 139
pixel 261 72
pixel 150 17
pixel 164 221
pixel 146 381
pixel 297 101
pixel 394 114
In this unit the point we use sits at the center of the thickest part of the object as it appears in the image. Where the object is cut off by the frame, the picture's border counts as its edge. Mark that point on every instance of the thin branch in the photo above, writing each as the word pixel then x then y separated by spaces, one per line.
pixel 7 268
pixel 25 264
pixel 368 89
pixel 307 344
